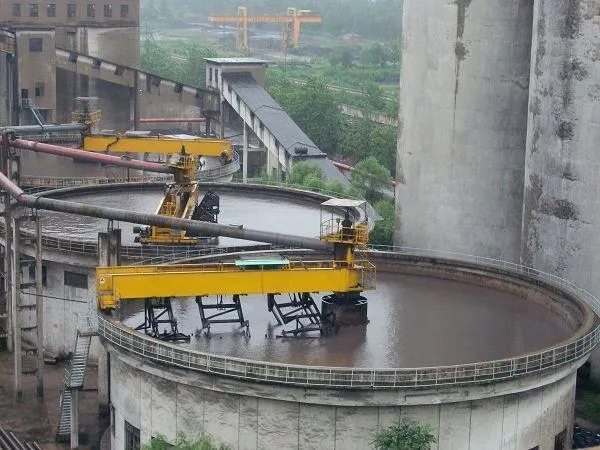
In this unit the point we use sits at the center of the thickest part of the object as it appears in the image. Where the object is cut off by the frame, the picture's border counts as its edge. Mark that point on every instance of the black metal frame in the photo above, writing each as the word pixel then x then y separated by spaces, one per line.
pixel 154 310
pixel 224 309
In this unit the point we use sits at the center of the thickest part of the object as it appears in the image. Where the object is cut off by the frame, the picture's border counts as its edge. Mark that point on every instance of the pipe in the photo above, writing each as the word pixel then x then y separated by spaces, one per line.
pixel 90 156
pixel 35 202
pixel 29 129
pixel 172 120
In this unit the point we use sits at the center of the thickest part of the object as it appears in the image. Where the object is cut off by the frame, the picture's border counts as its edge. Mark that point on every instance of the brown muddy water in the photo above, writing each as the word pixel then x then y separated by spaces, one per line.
pixel 415 321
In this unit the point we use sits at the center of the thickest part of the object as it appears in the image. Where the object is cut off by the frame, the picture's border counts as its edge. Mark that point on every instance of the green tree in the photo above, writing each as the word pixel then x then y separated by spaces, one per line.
pixel 369 178
pixel 373 96
pixel 383 232
pixel 314 108
pixel 375 55
pixel 303 170
pixel 405 435
pixel 384 144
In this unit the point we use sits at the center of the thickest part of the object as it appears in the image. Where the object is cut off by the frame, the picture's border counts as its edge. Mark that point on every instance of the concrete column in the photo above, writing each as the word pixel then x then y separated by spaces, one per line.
pixel 4 159
pixel 39 307
pixel 134 102
pixel 278 164
pixel 245 169
pixel 74 418
pixel 109 254
pixel 15 310
pixel 222 118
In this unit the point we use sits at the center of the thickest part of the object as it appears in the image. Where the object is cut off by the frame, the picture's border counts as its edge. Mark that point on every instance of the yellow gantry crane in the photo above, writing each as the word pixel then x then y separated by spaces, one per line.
pixel 290 24
pixel 344 276
pixel 181 198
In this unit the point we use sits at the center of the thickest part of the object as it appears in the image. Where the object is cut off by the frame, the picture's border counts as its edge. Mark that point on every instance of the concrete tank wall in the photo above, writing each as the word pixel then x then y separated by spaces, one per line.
pixel 561 214
pixel 463 109
pixel 158 399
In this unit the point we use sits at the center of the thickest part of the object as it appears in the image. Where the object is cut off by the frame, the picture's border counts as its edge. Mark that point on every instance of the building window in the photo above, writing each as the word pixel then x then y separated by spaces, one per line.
pixel 560 440
pixel 124 11
pixel 34 10
pixel 91 10
pixel 71 10
pixel 132 437
pixel 210 74
pixel 16 10
pixel 51 10
pixel 74 279
pixel 44 274
pixel 39 89
pixel 108 10
pixel 36 45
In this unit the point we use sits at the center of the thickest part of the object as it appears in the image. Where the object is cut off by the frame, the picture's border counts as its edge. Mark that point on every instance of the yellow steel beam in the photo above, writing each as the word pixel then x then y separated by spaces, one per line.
pixel 157 144
pixel 132 282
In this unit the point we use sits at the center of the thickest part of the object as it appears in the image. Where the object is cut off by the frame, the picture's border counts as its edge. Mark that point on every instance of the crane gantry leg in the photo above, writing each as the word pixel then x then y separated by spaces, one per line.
pixel 157 312
pixel 232 310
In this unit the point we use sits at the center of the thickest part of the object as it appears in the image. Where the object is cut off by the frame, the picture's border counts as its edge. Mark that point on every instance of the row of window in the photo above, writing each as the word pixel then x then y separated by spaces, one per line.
pixel 34 10
pixel 73 279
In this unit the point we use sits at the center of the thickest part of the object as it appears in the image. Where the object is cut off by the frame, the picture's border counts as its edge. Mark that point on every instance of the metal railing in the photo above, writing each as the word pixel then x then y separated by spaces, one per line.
pixel 375 378
pixel 62 182
pixel 221 171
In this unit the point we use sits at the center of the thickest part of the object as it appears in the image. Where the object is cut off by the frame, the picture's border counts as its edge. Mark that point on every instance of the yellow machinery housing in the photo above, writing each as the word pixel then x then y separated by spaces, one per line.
pixel 124 143
pixel 344 276
pixel 181 197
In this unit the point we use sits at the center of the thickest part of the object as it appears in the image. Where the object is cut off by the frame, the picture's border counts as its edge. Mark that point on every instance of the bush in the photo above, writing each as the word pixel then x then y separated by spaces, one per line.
pixel 202 443
pixel 590 406
pixel 405 435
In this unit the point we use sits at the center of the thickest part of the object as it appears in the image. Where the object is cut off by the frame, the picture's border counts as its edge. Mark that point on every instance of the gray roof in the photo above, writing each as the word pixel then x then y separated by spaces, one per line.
pixel 271 114
pixel 275 119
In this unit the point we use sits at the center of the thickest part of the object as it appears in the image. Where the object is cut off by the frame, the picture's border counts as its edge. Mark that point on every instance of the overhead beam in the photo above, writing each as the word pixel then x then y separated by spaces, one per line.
pixel 134 282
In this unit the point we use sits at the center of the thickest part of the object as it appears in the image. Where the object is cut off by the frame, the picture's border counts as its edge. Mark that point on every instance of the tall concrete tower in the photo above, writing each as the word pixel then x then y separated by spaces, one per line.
pixel 463 109
pixel 561 215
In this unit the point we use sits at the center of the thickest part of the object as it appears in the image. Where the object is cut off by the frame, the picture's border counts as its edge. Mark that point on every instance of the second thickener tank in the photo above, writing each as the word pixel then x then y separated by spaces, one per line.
pixel 463 110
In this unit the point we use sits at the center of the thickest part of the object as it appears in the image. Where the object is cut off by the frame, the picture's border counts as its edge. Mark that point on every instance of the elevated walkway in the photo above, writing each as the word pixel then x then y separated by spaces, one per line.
pixel 135 79
pixel 284 140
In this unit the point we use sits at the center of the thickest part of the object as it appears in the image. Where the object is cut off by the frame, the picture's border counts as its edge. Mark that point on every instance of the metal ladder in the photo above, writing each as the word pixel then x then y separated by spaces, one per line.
pixel 74 377
pixel 28 104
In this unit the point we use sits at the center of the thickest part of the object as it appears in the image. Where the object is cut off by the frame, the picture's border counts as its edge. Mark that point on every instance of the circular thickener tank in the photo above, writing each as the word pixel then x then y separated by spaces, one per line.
pixel 463 109
pixel 435 316
pixel 239 206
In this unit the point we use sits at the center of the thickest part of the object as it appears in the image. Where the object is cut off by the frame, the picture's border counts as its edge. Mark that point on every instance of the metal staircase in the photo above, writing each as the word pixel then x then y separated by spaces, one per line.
pixel 74 376
pixel 27 103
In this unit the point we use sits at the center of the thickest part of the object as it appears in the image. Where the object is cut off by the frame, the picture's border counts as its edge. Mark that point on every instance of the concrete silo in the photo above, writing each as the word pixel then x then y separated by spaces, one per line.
pixel 463 108
pixel 561 211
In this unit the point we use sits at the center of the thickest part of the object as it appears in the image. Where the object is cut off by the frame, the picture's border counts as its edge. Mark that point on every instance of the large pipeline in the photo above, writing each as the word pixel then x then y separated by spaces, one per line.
pixel 39 129
pixel 206 228
pixel 90 156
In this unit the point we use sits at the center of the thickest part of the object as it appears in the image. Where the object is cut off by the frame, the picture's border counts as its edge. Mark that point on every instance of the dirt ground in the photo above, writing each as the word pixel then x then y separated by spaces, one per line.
pixel 34 419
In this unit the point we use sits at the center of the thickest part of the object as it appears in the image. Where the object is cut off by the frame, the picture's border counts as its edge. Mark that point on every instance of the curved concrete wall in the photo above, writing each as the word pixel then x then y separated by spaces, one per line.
pixel 245 415
pixel 561 215
pixel 463 109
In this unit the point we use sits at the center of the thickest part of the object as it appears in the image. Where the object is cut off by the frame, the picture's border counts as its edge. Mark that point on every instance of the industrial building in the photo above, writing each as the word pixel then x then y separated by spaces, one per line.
pixel 234 340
